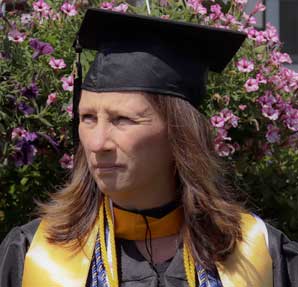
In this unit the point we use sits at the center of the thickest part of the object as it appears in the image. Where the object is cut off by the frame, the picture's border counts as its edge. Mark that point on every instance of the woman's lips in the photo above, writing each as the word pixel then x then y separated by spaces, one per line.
pixel 106 168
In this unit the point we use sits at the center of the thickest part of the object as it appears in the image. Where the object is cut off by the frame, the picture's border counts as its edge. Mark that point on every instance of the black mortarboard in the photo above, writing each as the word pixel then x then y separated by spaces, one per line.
pixel 142 53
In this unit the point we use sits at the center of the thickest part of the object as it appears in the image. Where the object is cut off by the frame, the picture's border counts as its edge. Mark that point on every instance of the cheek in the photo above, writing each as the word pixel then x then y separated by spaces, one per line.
pixel 149 147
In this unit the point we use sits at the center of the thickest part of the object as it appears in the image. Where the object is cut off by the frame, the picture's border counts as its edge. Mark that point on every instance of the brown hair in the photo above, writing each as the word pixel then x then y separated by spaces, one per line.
pixel 212 217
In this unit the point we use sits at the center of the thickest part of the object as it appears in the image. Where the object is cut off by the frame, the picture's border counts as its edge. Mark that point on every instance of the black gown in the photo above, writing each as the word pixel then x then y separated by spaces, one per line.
pixel 135 271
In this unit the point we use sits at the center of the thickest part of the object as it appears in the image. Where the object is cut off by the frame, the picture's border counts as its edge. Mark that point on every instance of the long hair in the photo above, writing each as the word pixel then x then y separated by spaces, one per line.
pixel 212 217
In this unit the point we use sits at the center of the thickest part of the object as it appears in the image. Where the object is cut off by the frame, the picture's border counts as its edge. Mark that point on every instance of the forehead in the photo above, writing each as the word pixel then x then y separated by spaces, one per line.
pixel 115 101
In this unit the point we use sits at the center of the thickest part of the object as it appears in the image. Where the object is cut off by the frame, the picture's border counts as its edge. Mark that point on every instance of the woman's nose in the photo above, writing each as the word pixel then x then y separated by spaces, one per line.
pixel 100 139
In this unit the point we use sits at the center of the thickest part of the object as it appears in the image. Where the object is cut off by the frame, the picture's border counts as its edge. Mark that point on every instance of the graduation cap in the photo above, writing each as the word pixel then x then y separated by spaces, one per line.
pixel 142 53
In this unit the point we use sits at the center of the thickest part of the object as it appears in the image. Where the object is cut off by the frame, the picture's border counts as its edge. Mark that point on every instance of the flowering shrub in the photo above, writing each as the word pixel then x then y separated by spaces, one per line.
pixel 252 105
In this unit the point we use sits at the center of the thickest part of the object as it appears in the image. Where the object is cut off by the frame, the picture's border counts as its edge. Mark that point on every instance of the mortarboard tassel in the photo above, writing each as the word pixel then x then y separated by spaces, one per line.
pixel 76 94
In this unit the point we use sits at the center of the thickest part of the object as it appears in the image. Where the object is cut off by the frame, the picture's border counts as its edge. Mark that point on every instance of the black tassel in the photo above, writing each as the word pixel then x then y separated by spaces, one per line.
pixel 76 95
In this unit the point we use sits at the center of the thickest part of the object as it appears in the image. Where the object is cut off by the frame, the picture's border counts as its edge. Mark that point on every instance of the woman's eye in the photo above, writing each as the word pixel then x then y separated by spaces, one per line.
pixel 122 120
pixel 87 118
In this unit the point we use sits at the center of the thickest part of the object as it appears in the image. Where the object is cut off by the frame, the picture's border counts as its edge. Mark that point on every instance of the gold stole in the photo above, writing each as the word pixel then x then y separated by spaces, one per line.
pixel 49 265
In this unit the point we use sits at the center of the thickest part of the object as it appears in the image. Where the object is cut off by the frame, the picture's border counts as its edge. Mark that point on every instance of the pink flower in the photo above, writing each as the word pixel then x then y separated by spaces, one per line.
pixel 216 12
pixel 251 85
pixel 270 113
pixel 267 99
pixel 260 7
pixel 229 19
pixel 224 149
pixel 241 2
pixel 57 64
pixel 222 134
pixel 272 134
pixel 51 98
pixel 245 65
pixel 69 110
pixel 279 58
pixel 40 6
pixel 67 83
pixel 18 133
pixel 258 36
pixel 26 19
pixel 163 3
pixel 121 8
pixel 242 107
pixel 291 118
pixel 229 118
pixel 250 20
pixel 107 5
pixel 69 9
pixel 261 79
pixel 165 16
pixel 197 7
pixel 271 33
pixel 217 121
pixel 16 36
pixel 66 161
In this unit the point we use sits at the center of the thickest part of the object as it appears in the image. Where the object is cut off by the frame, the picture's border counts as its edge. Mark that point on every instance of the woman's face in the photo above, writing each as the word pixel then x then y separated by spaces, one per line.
pixel 126 146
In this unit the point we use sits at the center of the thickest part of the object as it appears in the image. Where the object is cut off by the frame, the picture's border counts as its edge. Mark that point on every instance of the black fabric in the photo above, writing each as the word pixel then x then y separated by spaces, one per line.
pixel 12 253
pixel 135 271
pixel 284 253
pixel 215 46
pixel 152 59
pixel 157 212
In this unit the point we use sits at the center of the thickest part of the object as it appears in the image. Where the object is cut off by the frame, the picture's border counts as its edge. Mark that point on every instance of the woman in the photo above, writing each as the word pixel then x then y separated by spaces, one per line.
pixel 147 204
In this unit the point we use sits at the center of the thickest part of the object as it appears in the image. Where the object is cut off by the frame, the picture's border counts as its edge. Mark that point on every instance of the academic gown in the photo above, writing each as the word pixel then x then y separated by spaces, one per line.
pixel 135 271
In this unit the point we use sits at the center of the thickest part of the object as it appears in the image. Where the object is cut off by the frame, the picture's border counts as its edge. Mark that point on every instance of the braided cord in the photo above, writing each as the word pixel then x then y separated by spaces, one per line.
pixel 189 267
pixel 112 242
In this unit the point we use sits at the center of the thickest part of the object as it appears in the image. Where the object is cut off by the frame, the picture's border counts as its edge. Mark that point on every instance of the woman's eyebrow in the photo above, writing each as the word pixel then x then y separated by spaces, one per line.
pixel 86 109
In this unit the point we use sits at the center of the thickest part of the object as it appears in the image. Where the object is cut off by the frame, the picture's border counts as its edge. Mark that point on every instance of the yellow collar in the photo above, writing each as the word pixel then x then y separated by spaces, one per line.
pixel 132 226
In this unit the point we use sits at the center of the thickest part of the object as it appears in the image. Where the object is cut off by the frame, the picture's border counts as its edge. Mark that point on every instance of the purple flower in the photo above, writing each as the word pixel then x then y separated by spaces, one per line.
pixel 69 9
pixel 270 113
pixel 40 48
pixel 57 64
pixel 291 118
pixel 30 92
pixel 24 153
pixel 272 134
pixel 66 161
pixel 27 110
pixel 16 36
pixel 30 137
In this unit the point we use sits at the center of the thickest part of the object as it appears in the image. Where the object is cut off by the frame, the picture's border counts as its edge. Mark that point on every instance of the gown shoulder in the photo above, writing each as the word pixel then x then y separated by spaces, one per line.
pixel 12 253
pixel 284 254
